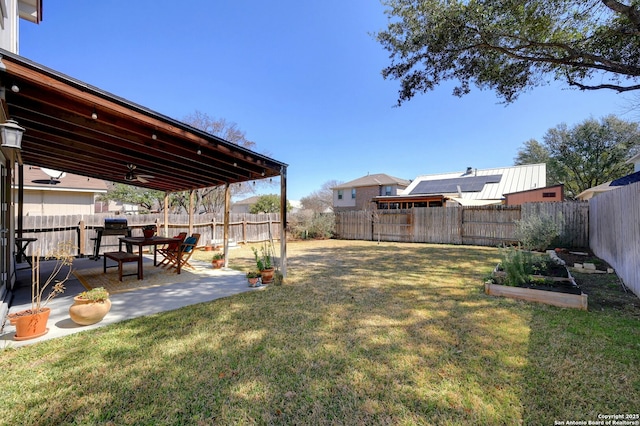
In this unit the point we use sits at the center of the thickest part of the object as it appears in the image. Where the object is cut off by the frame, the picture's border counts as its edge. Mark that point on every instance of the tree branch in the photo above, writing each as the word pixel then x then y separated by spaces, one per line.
pixel 629 11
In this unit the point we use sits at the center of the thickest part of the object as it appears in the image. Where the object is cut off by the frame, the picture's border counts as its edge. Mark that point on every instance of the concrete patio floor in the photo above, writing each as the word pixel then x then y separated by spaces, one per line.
pixel 211 284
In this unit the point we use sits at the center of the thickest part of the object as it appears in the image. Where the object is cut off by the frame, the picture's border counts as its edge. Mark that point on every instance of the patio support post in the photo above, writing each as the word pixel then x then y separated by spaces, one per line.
pixel 166 214
pixel 283 221
pixel 20 198
pixel 225 233
pixel 191 212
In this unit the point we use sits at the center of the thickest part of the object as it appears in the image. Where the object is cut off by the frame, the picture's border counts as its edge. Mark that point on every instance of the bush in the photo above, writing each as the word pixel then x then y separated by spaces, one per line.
pixel 307 224
pixel 537 232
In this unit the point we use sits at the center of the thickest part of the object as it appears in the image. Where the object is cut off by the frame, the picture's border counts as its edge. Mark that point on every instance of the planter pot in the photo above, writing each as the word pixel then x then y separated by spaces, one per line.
pixel 87 312
pixel 253 281
pixel 217 263
pixel 267 275
pixel 148 233
pixel 29 325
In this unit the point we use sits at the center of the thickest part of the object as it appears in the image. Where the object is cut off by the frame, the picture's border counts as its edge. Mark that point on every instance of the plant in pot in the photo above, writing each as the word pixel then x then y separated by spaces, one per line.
pixel 264 263
pixel 252 278
pixel 149 231
pixel 32 323
pixel 90 307
pixel 218 260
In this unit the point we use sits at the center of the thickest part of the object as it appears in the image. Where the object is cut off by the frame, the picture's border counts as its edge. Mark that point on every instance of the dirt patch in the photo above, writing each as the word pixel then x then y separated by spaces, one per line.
pixel 581 256
pixel 604 290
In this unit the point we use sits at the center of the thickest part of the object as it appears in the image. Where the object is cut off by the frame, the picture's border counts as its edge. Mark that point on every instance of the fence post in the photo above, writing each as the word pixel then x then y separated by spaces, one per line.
pixel 82 232
pixel 244 229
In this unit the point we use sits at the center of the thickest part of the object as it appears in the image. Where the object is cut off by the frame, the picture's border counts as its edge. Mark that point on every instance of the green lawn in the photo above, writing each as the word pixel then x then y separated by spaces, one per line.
pixel 360 333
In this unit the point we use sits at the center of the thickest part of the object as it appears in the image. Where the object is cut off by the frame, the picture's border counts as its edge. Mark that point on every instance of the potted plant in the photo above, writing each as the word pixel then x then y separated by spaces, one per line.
pixel 90 307
pixel 253 277
pixel 264 263
pixel 218 260
pixel 149 231
pixel 32 323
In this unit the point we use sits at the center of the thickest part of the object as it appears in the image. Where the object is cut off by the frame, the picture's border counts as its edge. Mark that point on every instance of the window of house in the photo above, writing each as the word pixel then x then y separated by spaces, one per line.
pixel 353 193
pixel 387 190
pixel 548 195
pixel 339 194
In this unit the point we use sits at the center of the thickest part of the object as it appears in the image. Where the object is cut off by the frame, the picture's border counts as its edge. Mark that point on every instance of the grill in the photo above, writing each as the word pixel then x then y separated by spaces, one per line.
pixel 117 226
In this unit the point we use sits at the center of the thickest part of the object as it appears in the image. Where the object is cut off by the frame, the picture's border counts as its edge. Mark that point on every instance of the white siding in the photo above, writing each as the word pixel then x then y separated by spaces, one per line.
pixel 43 203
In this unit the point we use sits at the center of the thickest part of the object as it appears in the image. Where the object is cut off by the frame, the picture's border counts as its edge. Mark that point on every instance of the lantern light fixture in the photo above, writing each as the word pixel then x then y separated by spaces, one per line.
pixel 11 134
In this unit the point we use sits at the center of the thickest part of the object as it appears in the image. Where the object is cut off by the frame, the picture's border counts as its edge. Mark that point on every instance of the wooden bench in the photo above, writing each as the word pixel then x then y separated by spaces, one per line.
pixel 122 257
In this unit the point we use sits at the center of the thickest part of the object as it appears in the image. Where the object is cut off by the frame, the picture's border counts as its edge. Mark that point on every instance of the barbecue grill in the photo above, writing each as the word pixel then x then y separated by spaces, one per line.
pixel 114 226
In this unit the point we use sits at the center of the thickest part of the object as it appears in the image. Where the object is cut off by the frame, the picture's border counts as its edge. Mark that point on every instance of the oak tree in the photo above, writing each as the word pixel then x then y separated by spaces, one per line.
pixel 511 46
pixel 586 155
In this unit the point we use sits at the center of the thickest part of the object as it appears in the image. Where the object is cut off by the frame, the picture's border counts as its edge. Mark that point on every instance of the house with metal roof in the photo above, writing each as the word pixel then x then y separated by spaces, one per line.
pixel 471 187
pixel 634 177
pixel 359 193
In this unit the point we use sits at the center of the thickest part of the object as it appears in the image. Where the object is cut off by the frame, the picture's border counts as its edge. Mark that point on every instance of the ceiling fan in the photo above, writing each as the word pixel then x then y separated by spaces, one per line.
pixel 132 176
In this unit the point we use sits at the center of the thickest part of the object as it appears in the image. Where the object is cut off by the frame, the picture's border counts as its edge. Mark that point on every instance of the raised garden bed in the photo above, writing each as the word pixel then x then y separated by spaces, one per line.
pixel 553 286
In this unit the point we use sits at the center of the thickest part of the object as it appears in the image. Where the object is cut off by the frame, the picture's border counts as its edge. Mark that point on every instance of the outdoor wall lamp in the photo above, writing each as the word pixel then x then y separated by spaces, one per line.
pixel 11 134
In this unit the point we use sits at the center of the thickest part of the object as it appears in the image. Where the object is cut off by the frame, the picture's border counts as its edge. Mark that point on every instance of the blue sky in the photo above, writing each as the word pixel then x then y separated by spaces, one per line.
pixel 301 79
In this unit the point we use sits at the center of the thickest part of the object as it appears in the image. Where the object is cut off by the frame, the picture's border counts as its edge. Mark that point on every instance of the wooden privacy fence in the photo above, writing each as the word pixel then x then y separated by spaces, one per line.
pixel 485 226
pixel 615 232
pixel 80 229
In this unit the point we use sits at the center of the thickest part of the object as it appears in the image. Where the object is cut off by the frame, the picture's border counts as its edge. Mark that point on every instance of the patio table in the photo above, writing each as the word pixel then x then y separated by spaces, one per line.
pixel 142 242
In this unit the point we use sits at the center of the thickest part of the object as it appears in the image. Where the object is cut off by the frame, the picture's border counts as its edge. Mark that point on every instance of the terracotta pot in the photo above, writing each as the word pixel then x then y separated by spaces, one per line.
pixel 148 233
pixel 267 275
pixel 87 312
pixel 217 263
pixel 29 325
pixel 253 281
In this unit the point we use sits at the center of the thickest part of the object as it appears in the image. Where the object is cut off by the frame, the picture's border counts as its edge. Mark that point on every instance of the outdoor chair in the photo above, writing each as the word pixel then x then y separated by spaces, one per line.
pixel 183 254
pixel 169 251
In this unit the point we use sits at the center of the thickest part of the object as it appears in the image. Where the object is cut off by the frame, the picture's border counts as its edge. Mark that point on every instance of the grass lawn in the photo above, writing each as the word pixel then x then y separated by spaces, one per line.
pixel 360 333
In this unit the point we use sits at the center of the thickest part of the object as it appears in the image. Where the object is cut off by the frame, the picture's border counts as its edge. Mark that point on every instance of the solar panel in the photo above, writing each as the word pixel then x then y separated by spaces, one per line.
pixel 447 186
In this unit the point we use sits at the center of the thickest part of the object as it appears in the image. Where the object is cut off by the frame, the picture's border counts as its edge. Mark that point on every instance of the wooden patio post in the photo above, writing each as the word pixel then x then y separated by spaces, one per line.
pixel 225 232
pixel 283 221
pixel 166 214
pixel 20 198
pixel 191 212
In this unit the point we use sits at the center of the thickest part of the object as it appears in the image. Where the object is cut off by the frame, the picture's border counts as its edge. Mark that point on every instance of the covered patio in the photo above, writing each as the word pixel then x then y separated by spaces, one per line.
pixel 73 127
pixel 205 284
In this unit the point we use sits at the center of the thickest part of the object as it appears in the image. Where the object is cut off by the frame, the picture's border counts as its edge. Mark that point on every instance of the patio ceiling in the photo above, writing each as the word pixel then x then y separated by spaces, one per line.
pixel 74 127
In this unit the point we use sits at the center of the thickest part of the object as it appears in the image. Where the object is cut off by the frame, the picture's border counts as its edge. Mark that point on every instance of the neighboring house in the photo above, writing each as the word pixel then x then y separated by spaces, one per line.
pixel 546 194
pixel 587 194
pixel 358 194
pixel 49 192
pixel 243 206
pixel 473 187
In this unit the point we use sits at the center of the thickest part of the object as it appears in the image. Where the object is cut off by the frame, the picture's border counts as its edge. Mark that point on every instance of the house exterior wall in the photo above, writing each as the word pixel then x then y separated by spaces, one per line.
pixel 9 33
pixel 552 193
pixel 364 196
pixel 44 203
pixel 346 203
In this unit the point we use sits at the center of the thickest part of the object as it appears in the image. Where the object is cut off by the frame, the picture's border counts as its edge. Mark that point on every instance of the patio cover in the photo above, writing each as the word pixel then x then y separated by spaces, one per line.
pixel 61 134
pixel 80 129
